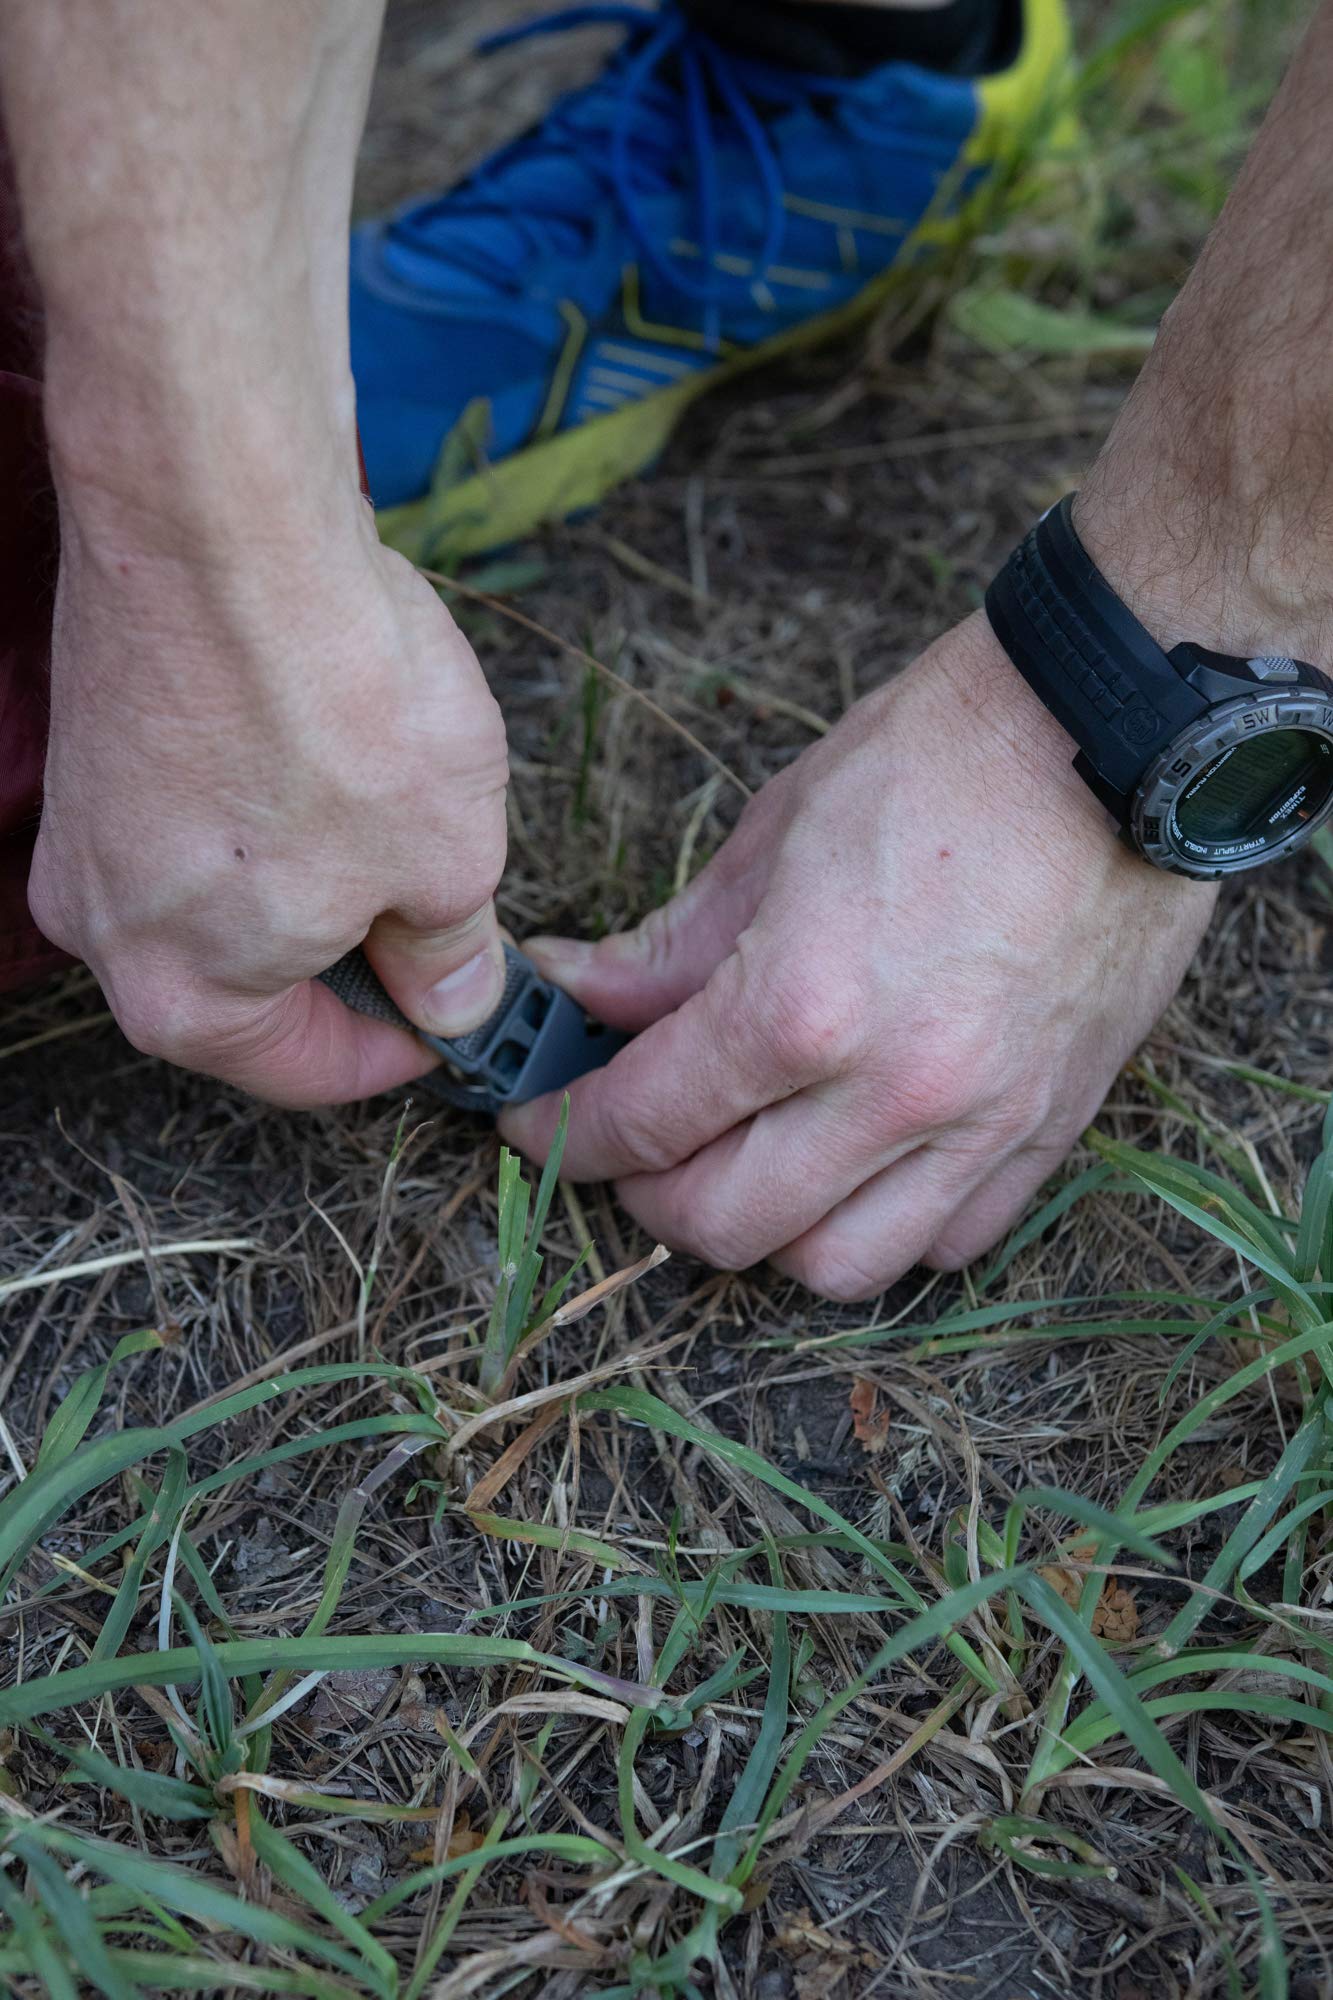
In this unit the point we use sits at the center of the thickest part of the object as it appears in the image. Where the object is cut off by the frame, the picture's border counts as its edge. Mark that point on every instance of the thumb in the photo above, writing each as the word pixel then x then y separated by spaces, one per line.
pixel 445 981
pixel 634 978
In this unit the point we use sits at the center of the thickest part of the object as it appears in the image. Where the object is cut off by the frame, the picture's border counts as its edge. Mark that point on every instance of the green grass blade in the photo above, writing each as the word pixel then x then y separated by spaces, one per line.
pixel 1198 1660
pixel 920 1631
pixel 1088 1514
pixel 544 1535
pixel 179 1972
pixel 1312 1238
pixel 218 1709
pixel 1268 1545
pixel 1221 1212
pixel 1308 1442
pixel 1208 1701
pixel 1129 1717
pixel 337 1566
pixel 37 1502
pixel 181 1666
pixel 164 1797
pixel 190 1894
pixel 1041 1219
pixel 159 1525
pixel 245 1468
pixel 751 1788
pixel 289 1866
pixel 453 1910
pixel 556 1846
pixel 37 1954
pixel 1219 1321
pixel 1014 1834
pixel 686 1877
pixel 74 1923
pixel 76 1410
pixel 643 1408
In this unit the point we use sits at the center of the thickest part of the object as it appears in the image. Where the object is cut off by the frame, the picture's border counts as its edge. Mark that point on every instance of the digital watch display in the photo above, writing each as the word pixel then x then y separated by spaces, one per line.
pixel 1209 763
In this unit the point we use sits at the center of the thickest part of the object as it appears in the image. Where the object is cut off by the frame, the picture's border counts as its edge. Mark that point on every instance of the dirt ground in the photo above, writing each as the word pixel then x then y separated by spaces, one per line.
pixel 802 538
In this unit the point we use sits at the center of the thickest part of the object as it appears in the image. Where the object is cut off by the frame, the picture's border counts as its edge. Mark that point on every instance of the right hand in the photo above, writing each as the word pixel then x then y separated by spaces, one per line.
pixel 259 757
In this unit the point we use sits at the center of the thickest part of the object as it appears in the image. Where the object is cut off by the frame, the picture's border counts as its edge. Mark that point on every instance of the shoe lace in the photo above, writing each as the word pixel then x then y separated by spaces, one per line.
pixel 623 134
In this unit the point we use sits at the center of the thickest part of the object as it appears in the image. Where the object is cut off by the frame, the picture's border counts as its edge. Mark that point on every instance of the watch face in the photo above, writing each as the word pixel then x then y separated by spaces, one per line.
pixel 1252 780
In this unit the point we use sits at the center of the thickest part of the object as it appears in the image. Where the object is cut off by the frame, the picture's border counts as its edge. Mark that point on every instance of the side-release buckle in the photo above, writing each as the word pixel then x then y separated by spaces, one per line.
pixel 538 1038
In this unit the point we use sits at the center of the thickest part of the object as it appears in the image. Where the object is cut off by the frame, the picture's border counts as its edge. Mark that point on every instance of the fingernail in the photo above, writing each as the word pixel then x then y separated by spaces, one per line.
pixel 561 958
pixel 464 998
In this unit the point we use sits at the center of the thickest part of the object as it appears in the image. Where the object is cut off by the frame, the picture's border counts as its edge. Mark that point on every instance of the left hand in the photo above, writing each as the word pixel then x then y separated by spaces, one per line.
pixel 884 1012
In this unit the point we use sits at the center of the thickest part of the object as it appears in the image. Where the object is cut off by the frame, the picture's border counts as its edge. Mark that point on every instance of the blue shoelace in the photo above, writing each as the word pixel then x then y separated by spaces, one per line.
pixel 670 87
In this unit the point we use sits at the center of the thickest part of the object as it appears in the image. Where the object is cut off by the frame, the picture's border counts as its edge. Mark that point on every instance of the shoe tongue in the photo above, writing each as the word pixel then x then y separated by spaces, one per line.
pixel 480 237
pixel 472 234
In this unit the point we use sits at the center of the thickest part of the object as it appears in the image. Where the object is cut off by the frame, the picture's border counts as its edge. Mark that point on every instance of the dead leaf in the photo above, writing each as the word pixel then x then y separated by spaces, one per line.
pixel 870 1425
pixel 1116 1618
pixel 800 1933
pixel 1068 1583
pixel 821 1959
pixel 463 1839
pixel 606 1288
pixel 816 1978
pixel 239 1856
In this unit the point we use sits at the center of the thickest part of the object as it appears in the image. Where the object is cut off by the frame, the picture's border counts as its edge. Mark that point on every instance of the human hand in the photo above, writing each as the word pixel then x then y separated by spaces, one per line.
pixel 269 741
pixel 886 1009
pixel 260 757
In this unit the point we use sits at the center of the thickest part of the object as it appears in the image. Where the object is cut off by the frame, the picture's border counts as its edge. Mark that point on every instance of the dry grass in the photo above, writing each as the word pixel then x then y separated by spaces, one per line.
pixel 864 477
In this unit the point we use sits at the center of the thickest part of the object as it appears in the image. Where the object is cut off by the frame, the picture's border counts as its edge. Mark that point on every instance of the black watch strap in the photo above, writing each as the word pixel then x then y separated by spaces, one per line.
pixel 1085 655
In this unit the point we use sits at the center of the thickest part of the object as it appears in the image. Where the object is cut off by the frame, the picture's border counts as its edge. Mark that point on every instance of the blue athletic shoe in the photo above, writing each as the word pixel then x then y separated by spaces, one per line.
pixel 526 339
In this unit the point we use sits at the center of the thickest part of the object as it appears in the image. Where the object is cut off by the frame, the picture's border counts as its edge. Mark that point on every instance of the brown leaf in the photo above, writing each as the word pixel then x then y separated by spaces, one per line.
pixel 463 1839
pixel 240 1859
pixel 1068 1583
pixel 1116 1618
pixel 800 1933
pixel 870 1425
pixel 816 1978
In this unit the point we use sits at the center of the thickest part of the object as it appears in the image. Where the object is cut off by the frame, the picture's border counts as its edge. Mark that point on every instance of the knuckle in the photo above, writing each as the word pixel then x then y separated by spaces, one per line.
pixel 807 1024
pixel 634 1133
pixel 655 939
pixel 725 1247
pixel 155 1020
pixel 50 911
pixel 835 1271
pixel 949 1254
pixel 944 1080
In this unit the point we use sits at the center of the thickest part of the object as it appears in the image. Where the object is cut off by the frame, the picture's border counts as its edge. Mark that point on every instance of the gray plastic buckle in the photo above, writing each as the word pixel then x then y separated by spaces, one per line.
pixel 538 1039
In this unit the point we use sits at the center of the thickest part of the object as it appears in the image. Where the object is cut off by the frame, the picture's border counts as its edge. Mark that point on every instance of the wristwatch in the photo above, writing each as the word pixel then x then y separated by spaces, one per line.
pixel 1209 764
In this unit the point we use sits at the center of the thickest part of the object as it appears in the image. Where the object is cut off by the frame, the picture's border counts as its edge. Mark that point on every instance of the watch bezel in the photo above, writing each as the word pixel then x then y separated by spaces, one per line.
pixel 1152 824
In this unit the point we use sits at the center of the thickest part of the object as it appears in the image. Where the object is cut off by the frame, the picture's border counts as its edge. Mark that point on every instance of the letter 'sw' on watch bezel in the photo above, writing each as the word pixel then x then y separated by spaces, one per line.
pixel 1209 763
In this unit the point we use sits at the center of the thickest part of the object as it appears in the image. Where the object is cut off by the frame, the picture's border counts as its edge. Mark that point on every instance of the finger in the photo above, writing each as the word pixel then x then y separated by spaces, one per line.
pixel 633 978
pixel 992 1208
pixel 447 981
pixel 726 1053
pixel 302 1048
pixel 867 1242
pixel 769 1181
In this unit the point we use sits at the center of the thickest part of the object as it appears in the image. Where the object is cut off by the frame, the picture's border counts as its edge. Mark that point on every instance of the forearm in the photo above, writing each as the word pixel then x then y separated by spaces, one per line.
pixel 1212 504
pixel 184 177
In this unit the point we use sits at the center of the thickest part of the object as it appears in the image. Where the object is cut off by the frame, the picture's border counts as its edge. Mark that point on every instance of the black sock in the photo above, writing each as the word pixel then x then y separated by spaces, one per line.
pixel 965 37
